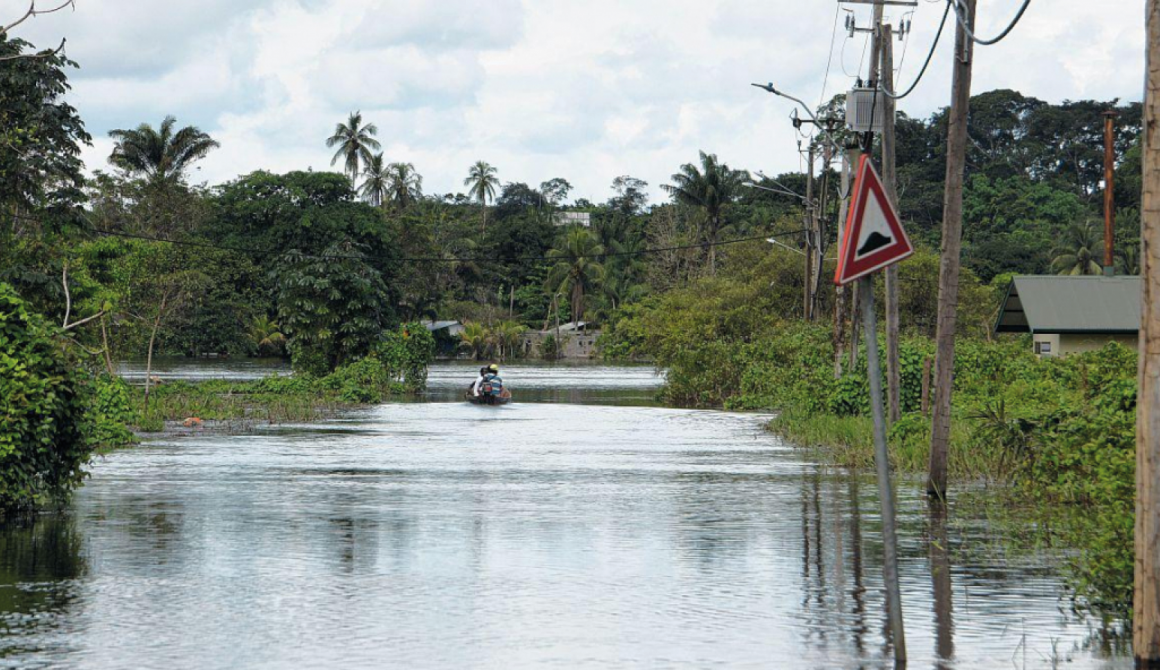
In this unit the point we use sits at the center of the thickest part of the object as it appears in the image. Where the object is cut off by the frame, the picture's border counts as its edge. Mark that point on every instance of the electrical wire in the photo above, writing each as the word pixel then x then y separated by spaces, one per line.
pixel 905 44
pixel 995 40
pixel 830 59
pixel 942 24
pixel 436 259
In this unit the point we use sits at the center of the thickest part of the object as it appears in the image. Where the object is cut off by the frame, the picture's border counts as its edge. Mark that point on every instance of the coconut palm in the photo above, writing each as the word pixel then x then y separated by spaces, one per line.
pixel 1078 251
pixel 481 183
pixel 266 335
pixel 355 142
pixel 376 184
pixel 505 338
pixel 475 339
pixel 404 184
pixel 578 269
pixel 161 154
pixel 1128 260
pixel 709 189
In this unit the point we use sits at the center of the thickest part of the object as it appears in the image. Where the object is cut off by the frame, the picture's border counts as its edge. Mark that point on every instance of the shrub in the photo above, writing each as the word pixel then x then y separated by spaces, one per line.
pixel 43 445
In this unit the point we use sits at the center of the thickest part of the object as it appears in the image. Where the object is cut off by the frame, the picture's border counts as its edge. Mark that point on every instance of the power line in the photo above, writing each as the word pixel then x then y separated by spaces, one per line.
pixel 995 40
pixel 441 259
pixel 942 24
pixel 830 58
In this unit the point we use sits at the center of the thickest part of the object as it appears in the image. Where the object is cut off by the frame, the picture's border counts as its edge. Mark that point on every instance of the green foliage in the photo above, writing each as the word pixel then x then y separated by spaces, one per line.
pixel 43 399
pixel 109 413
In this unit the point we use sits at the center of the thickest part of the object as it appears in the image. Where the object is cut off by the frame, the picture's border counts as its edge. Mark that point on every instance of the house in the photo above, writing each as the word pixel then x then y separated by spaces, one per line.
pixel 579 340
pixel 446 335
pixel 1067 314
pixel 572 219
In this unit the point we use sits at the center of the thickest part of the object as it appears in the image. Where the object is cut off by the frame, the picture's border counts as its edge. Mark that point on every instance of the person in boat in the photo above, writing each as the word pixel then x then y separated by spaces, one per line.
pixel 491 383
pixel 475 388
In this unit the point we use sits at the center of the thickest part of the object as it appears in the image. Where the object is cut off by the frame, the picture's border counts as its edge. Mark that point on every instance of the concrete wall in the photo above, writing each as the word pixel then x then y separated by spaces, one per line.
pixel 576 344
pixel 1070 343
pixel 1075 344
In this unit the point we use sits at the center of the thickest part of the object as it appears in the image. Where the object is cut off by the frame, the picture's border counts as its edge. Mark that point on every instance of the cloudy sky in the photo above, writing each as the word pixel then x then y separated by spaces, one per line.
pixel 581 89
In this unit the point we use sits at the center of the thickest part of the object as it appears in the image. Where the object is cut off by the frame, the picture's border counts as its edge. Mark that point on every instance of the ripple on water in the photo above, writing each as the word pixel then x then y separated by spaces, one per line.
pixel 439 534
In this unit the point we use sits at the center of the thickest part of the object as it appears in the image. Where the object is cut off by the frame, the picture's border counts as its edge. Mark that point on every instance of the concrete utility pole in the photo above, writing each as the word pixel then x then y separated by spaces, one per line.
pixel 808 277
pixel 890 183
pixel 854 153
pixel 1110 192
pixel 1146 601
pixel 880 70
pixel 949 260
pixel 840 292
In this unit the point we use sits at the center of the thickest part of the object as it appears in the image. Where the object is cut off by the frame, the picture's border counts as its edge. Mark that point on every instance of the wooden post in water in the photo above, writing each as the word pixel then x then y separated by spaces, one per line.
pixel 1146 600
pixel 882 461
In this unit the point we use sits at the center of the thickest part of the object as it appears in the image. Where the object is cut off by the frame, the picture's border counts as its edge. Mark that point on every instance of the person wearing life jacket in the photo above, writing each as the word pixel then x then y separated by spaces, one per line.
pixel 492 384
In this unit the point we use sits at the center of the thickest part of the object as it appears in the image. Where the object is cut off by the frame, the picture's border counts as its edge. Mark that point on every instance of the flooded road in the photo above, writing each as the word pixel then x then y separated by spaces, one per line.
pixel 580 527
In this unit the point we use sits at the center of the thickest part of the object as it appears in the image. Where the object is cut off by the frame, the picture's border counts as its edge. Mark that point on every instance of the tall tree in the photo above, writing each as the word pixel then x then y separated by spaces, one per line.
pixel 355 141
pixel 405 185
pixel 711 189
pixel 1079 251
pixel 578 269
pixel 376 186
pixel 160 155
pixel 481 183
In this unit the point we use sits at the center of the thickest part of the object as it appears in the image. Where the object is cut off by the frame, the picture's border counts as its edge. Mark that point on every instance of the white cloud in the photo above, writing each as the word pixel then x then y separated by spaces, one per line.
pixel 539 88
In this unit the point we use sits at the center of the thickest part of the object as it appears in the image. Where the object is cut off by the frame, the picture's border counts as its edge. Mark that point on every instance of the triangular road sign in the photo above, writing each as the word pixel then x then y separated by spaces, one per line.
pixel 874 237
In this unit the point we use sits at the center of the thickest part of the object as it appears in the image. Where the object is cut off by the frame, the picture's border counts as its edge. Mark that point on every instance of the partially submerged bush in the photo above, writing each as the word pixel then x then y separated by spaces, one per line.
pixel 43 397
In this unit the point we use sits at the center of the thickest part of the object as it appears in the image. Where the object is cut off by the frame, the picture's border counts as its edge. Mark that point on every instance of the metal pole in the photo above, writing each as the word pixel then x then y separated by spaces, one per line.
pixel 882 460
pixel 1109 192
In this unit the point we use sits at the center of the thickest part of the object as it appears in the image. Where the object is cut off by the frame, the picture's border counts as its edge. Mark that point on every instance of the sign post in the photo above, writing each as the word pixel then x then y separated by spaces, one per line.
pixel 873 240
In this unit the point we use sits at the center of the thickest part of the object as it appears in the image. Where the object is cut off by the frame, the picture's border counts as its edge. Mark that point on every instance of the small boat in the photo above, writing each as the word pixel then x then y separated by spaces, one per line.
pixel 502 399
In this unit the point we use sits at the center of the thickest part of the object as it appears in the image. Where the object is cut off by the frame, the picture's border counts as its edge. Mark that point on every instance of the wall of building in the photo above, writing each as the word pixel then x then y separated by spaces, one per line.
pixel 576 344
pixel 1052 344
pixel 1075 344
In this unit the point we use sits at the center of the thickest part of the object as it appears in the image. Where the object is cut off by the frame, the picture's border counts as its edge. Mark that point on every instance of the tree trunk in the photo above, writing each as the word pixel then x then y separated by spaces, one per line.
pixel 105 342
pixel 152 339
pixel 1146 602
pixel 948 276
pixel 890 183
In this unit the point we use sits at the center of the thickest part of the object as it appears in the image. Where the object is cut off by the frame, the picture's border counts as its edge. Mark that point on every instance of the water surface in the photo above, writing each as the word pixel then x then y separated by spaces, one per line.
pixel 576 528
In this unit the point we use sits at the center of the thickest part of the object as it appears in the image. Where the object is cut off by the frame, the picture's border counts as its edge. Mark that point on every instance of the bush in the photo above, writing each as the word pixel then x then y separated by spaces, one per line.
pixel 43 445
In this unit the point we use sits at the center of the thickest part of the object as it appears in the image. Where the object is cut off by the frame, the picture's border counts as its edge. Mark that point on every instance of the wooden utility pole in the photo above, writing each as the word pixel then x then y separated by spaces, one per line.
pixel 1146 601
pixel 890 183
pixel 949 261
pixel 808 277
pixel 1109 192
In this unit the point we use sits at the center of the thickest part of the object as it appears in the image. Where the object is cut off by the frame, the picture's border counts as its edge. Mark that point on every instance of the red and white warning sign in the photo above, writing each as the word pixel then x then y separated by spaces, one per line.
pixel 874 237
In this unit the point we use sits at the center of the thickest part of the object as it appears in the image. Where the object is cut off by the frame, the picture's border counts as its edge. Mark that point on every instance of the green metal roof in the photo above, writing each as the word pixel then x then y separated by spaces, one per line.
pixel 1065 304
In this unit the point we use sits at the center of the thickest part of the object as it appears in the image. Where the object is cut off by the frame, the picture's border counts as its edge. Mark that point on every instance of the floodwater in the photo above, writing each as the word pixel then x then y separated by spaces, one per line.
pixel 579 527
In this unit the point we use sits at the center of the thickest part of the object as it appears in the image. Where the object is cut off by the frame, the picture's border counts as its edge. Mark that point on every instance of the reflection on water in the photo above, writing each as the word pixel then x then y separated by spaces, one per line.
pixel 446 535
pixel 199 369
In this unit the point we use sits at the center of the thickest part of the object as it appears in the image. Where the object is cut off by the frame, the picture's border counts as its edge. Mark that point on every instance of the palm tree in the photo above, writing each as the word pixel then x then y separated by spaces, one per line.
pixel 578 269
pixel 266 335
pixel 481 183
pixel 1078 251
pixel 405 185
pixel 161 155
pixel 475 339
pixel 376 184
pixel 354 141
pixel 709 189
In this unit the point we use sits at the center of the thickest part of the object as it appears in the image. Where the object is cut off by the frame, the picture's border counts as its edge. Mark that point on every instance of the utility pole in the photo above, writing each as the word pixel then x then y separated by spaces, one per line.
pixel 949 260
pixel 808 277
pixel 1109 192
pixel 1146 600
pixel 890 183
pixel 840 292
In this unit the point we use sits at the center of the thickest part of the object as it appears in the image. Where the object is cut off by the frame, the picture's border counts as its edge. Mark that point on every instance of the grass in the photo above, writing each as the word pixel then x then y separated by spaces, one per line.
pixel 238 405
pixel 848 441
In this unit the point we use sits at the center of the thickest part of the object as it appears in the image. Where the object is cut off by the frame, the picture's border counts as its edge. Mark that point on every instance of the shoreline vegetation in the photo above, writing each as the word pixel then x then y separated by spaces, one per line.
pixel 1056 435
